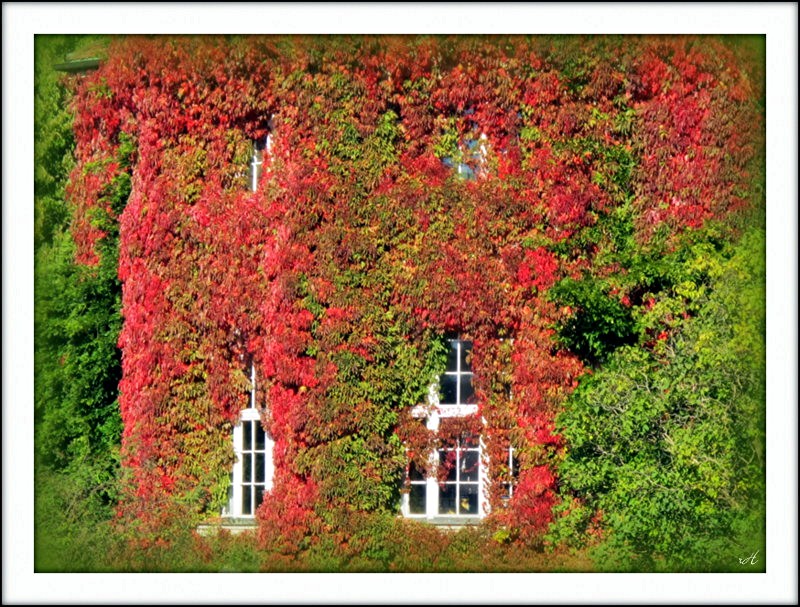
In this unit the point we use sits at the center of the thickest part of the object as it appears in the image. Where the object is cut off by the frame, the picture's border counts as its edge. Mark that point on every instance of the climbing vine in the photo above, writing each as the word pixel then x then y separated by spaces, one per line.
pixel 415 188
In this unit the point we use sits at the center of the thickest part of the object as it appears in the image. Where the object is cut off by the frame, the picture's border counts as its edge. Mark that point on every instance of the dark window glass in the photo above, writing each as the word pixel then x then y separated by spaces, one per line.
pixel 246 506
pixel 259 495
pixel 468 502
pixel 259 436
pixel 467 393
pixel 448 389
pixel 260 457
pixel 448 460
pixel 447 499
pixel 416 499
pixel 469 466
pixel 247 428
pixel 466 351
pixel 452 356
pixel 247 472
pixel 415 473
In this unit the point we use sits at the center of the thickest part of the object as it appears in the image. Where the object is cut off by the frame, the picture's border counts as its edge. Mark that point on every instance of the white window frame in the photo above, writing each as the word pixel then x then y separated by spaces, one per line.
pixel 248 419
pixel 510 482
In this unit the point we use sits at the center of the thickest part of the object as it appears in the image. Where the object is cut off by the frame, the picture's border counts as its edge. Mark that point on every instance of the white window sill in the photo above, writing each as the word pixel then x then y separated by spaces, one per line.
pixel 232 524
pixel 445 521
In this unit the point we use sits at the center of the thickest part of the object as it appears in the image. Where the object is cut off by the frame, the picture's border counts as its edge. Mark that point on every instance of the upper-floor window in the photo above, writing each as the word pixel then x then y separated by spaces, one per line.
pixel 261 148
pixel 455 384
pixel 469 159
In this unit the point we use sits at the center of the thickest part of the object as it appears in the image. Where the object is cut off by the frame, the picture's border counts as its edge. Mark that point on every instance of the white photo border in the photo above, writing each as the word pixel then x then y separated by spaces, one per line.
pixel 22 20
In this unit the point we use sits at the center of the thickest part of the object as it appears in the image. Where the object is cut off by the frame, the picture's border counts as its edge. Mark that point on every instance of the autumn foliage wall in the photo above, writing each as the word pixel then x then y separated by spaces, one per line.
pixel 364 246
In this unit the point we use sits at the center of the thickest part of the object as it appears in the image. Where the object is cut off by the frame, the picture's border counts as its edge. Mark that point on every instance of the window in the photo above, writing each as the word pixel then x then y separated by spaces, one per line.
pixel 456 395
pixel 510 477
pixel 252 472
pixel 418 490
pixel 456 383
pixel 459 494
pixel 470 158
pixel 261 147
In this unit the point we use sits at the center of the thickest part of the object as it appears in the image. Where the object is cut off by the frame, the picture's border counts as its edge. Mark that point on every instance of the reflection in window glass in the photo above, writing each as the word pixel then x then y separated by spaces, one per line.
pixel 449 389
pixel 458 494
pixel 455 384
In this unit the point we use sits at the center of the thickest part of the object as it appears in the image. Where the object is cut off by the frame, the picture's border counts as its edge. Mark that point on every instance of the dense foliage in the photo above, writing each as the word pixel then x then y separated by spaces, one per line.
pixel 532 195
pixel 77 323
pixel 666 443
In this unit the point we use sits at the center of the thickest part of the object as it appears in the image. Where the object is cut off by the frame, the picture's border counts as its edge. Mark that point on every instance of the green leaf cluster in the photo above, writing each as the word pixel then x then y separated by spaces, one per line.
pixel 76 326
pixel 664 468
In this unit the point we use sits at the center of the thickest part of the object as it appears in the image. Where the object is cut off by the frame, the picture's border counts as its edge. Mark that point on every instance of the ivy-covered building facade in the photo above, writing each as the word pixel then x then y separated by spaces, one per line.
pixel 363 274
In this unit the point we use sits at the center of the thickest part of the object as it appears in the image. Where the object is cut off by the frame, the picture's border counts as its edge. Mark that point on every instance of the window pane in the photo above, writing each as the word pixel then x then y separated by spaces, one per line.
pixel 467 393
pixel 447 499
pixel 448 460
pixel 259 436
pixel 247 470
pixel 448 389
pixel 247 429
pixel 470 442
pixel 469 466
pixel 466 171
pixel 468 504
pixel 452 356
pixel 255 170
pixel 260 457
pixel 415 473
pixel 466 350
pixel 246 507
pixel 416 499
pixel 259 496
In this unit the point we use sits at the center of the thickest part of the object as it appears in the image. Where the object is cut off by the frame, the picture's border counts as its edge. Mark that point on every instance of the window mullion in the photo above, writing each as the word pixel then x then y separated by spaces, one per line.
pixel 458 472
pixel 236 494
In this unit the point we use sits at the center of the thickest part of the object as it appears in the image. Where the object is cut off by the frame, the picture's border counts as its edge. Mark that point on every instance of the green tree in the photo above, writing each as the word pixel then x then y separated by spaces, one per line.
pixel 76 326
pixel 665 460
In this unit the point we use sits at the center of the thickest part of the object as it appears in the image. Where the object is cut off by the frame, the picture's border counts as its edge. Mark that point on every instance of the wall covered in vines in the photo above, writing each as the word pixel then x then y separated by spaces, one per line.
pixel 417 188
